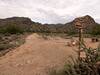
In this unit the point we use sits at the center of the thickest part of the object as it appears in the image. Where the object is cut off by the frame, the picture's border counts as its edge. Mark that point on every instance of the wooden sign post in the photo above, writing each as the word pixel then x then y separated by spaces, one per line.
pixel 79 26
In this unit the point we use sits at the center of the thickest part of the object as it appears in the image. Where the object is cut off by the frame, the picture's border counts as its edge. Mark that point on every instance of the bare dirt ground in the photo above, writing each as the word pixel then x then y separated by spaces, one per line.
pixel 37 55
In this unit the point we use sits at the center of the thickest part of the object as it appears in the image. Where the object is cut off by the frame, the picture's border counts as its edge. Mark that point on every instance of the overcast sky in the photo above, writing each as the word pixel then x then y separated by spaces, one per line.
pixel 50 11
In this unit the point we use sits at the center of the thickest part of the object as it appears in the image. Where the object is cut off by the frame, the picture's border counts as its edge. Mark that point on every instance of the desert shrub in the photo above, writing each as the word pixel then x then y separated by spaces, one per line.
pixel 4 46
pixel 12 29
pixel 8 42
pixel 88 66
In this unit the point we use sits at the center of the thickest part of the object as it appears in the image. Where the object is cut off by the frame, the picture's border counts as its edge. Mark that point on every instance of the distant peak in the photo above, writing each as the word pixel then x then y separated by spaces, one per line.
pixel 87 16
pixel 86 20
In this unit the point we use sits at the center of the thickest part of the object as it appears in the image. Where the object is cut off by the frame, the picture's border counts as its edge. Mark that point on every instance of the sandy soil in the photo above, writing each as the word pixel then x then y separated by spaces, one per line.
pixel 37 56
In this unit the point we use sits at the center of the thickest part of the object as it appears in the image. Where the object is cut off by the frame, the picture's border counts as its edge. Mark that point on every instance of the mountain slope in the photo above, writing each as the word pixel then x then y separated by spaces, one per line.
pixel 25 24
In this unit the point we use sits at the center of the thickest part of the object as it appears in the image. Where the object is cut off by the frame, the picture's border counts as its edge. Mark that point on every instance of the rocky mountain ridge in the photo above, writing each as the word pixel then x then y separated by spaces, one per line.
pixel 27 24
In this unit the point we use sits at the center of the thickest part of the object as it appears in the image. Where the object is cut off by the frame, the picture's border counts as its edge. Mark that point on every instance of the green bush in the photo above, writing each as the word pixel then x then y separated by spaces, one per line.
pixel 12 29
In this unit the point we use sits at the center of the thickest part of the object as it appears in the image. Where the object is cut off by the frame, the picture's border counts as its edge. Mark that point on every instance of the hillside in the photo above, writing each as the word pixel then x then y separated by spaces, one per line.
pixel 89 26
pixel 20 23
pixel 24 24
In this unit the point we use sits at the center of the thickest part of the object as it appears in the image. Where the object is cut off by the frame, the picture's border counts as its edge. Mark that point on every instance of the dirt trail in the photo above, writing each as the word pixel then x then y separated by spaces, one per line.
pixel 36 56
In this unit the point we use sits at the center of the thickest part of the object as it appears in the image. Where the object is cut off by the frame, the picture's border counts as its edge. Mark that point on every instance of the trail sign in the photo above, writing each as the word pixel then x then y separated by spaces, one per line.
pixel 78 23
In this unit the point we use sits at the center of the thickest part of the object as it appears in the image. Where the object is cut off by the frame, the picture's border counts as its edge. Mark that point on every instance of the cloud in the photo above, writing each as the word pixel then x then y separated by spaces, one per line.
pixel 52 17
pixel 50 11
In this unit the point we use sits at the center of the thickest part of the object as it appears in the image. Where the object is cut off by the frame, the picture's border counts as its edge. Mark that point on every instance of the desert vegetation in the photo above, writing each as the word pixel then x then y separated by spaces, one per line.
pixel 10 41
pixel 13 32
pixel 88 66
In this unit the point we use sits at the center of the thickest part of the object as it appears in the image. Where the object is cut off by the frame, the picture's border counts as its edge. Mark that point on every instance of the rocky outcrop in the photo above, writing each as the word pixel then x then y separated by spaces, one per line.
pixel 85 21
